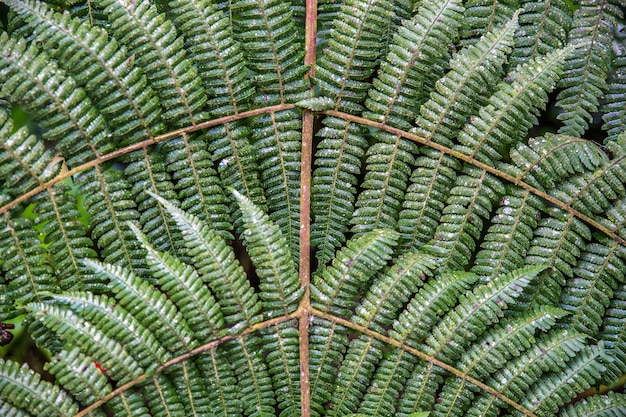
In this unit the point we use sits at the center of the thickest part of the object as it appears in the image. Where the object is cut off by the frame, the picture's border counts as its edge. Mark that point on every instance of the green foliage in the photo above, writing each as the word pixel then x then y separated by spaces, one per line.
pixel 202 214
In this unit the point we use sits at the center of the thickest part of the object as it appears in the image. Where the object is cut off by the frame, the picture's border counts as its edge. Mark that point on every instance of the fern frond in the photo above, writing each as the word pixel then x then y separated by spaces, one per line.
pixel 197 184
pixel 389 164
pixel 108 202
pixel 217 266
pixel 398 89
pixel 420 389
pixel 116 323
pixel 336 288
pixel 91 341
pixel 26 274
pixel 186 290
pixel 391 290
pixel 35 82
pixel 546 396
pixel 281 345
pixel 613 334
pixel 544 27
pixel 163 400
pixel 114 84
pixel 333 189
pixel 354 375
pixel 128 404
pixel 430 184
pixel 475 311
pixel 469 204
pixel 268 249
pixel 614 104
pixel 66 239
pixel 43 398
pixel 433 300
pixel 148 305
pixel 218 57
pixel 154 42
pixel 547 160
pixel 189 382
pixel 356 42
pixel 265 29
pixel 488 135
pixel 452 102
pixel 254 381
pixel 237 163
pixel 559 251
pixel 508 239
pixel 481 16
pixel 278 143
pixel 586 70
pixel 599 270
pixel 24 160
pixel 610 405
pixel 90 12
pixel 327 345
pixel 507 339
pixel 224 396
pixel 146 170
pixel 79 376
pixel 388 382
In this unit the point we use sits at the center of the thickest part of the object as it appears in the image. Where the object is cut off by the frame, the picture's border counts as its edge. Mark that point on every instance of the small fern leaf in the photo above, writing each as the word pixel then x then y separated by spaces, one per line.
pixel 614 105
pixel 613 334
pixel 274 51
pixel 488 135
pixel 333 189
pixel 148 305
pixel 452 102
pixel 254 381
pixel 392 289
pixel 92 341
pixel 79 375
pixel 475 311
pixel 108 201
pixel 187 380
pixel 433 301
pixel 278 142
pixel 128 404
pixel 163 399
pixel 162 57
pixel 268 249
pixel 508 238
pixel 116 323
pixel 54 100
pixel 544 27
pixel 582 373
pixel 547 160
pixel 26 275
pixel 469 204
pixel 327 345
pixel 421 388
pixel 281 345
pixel 217 265
pixel 44 398
pixel 354 375
pixel 481 16
pixel 336 288
pixel 66 239
pixel 587 68
pixel 224 396
pixel 25 162
pixel 588 293
pixel 610 405
pixel 353 50
pixel 116 87
pixel 429 188
pixel 147 171
pixel 186 290
pixel 401 84
pixel 316 104
pixel 218 57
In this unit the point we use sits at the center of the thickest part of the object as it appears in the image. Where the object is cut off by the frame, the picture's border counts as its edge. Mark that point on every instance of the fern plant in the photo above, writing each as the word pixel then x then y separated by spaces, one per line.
pixel 261 208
